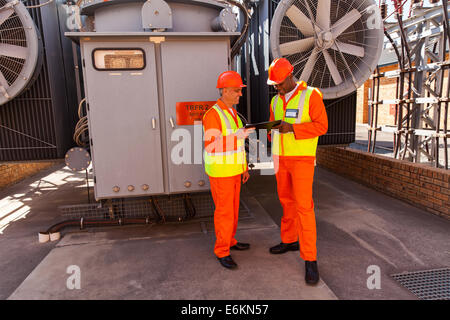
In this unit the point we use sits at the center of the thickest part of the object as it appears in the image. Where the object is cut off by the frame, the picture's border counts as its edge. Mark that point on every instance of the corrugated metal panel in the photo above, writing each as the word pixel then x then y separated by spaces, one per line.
pixel 341 121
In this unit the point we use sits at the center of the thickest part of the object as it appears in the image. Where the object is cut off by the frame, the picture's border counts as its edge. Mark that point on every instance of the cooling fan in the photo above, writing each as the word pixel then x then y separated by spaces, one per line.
pixel 333 45
pixel 20 50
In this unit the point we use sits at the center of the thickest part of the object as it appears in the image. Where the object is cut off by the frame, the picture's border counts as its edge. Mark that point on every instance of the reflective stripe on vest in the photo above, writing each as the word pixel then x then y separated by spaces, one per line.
pixel 228 163
pixel 285 144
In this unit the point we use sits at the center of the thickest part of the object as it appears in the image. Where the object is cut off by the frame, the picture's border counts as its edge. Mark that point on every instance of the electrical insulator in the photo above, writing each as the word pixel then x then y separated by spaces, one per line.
pixel 383 8
pixel 415 4
pixel 434 1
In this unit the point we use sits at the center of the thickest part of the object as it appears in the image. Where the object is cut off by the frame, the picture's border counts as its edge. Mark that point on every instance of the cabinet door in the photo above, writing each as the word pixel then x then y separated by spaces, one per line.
pixel 124 120
pixel 190 72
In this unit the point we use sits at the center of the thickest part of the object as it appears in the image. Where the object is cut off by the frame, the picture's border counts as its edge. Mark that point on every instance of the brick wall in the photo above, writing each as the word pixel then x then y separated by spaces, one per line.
pixel 418 184
pixel 11 173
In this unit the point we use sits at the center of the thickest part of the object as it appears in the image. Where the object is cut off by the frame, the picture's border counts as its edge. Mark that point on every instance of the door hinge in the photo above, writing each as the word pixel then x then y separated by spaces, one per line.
pixel 92 142
pixel 95 179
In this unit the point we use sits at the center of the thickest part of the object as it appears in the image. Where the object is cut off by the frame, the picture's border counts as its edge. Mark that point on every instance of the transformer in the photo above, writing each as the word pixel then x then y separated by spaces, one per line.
pixel 150 71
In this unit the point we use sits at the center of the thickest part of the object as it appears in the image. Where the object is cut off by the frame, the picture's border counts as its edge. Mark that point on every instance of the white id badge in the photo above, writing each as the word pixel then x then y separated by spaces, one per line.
pixel 291 113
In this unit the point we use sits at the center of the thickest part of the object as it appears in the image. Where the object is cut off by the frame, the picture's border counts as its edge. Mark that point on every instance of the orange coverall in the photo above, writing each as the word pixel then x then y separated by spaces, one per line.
pixel 225 191
pixel 295 175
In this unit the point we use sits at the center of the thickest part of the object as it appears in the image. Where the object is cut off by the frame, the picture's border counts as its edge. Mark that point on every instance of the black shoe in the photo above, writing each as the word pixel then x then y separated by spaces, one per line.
pixel 227 262
pixel 240 246
pixel 311 272
pixel 284 247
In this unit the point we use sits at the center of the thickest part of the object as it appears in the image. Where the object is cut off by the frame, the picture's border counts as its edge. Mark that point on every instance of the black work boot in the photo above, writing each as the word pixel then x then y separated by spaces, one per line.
pixel 284 247
pixel 311 272
pixel 240 246
pixel 227 262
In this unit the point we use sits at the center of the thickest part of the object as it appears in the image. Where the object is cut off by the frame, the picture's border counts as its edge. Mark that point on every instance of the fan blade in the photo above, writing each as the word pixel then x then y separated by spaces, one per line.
pixel 302 22
pixel 346 21
pixel 323 14
pixel 332 67
pixel 309 66
pixel 3 81
pixel 5 14
pixel 296 46
pixel 349 48
pixel 13 51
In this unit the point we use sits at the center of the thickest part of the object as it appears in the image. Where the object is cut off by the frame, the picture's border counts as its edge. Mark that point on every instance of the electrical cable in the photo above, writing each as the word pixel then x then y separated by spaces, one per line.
pixel 405 46
pixel 235 49
pixel 79 107
pixel 395 10
pixel 96 222
pixel 81 126
pixel 38 5
pixel 446 37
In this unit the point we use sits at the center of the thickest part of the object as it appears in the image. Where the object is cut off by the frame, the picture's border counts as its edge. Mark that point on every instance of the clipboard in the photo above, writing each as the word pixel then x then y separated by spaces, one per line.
pixel 263 125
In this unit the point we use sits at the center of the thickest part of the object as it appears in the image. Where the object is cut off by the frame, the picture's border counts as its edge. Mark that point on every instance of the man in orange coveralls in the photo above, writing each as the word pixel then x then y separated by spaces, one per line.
pixel 294 144
pixel 225 163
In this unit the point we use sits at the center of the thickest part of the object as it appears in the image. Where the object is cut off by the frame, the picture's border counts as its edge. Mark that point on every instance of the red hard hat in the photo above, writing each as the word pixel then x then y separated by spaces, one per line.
pixel 279 70
pixel 230 79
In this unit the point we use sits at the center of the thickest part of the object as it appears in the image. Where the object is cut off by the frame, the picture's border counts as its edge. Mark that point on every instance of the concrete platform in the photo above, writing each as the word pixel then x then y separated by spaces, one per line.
pixel 171 261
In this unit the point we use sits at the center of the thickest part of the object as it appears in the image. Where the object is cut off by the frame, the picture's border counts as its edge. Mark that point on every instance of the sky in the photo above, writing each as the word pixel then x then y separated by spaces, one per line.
pixel 406 7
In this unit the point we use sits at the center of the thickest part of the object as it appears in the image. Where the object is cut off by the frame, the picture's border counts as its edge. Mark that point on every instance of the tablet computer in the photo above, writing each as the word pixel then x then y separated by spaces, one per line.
pixel 263 125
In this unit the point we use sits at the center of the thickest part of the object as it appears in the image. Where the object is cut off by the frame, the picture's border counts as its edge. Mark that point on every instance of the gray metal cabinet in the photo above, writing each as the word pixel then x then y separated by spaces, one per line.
pixel 205 60
pixel 124 125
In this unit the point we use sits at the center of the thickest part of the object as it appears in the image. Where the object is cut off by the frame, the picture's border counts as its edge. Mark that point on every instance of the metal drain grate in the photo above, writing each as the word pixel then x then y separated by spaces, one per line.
pixel 427 285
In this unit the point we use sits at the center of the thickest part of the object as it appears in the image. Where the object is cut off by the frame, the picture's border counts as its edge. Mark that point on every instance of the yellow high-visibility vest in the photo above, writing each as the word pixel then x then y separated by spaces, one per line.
pixel 297 111
pixel 226 163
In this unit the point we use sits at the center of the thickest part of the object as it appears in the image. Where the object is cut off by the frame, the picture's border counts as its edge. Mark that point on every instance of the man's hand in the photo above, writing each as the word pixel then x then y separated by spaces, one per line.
pixel 284 127
pixel 245 176
pixel 243 133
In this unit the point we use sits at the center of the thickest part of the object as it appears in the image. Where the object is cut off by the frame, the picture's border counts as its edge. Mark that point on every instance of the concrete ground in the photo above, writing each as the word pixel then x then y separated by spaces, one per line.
pixel 357 228
pixel 160 261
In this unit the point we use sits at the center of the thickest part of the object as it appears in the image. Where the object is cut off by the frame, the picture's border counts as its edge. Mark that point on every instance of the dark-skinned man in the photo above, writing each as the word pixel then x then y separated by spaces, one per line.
pixel 294 143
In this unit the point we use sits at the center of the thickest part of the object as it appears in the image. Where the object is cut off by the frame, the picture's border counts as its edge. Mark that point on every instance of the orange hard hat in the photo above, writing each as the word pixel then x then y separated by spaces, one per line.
pixel 279 70
pixel 230 79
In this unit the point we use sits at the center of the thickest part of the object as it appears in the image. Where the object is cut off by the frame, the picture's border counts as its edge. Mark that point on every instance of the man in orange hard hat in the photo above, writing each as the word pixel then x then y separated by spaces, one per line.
pixel 225 164
pixel 294 142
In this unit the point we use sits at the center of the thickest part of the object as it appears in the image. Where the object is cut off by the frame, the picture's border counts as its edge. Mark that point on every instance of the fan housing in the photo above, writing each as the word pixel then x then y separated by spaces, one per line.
pixel 333 45
pixel 21 50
